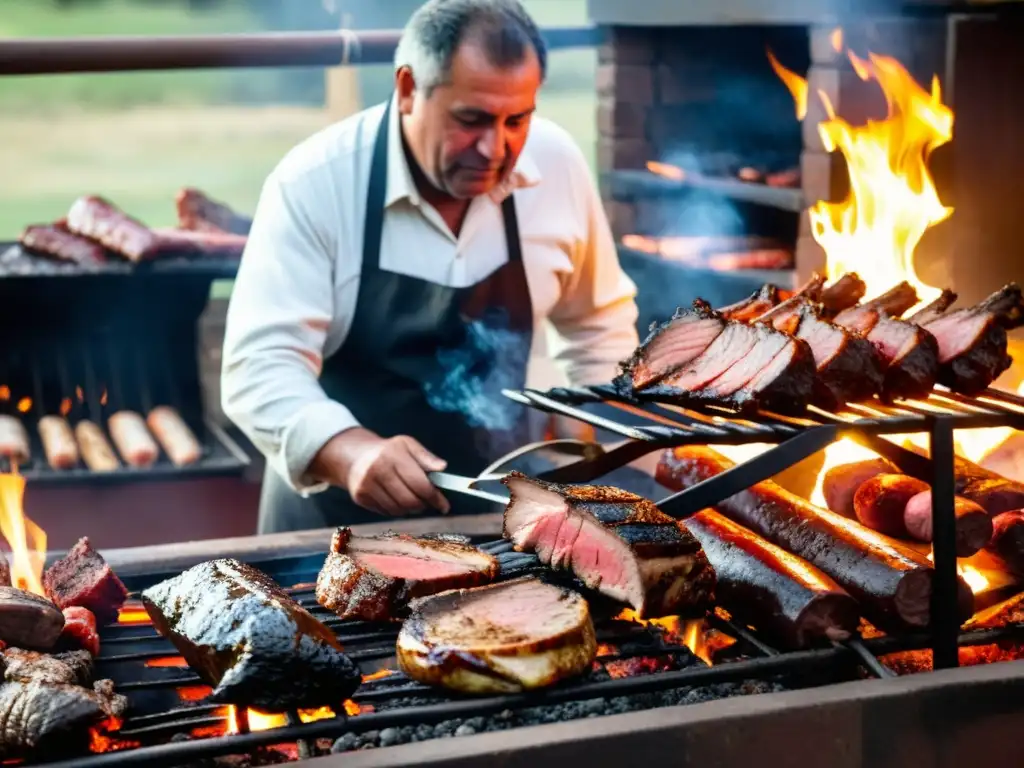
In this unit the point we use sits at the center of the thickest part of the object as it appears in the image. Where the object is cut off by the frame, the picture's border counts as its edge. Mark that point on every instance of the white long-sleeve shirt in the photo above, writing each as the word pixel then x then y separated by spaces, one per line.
pixel 295 294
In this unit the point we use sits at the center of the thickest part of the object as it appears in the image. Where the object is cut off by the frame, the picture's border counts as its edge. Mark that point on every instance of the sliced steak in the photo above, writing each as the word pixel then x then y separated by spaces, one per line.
pixel 972 342
pixel 670 346
pixel 730 347
pixel 80 630
pixel 935 309
pixel 374 577
pixel 40 716
pixel 68 668
pixel 83 578
pixel 27 620
pixel 785 385
pixel 911 355
pixel 755 305
pixel 248 640
pixel 502 638
pixel 893 303
pixel 615 542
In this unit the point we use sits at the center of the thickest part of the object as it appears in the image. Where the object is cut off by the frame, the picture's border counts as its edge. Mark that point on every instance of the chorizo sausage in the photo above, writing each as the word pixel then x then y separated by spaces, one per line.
pixel 881 501
pixel 129 433
pixel 973 524
pixel 58 442
pixel 842 481
pixel 174 435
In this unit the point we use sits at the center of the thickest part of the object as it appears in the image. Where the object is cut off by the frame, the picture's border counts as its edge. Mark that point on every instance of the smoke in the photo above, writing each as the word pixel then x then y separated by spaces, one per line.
pixel 492 357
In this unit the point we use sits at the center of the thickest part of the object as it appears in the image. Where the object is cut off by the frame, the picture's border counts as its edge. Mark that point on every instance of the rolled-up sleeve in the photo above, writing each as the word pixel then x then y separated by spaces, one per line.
pixel 280 311
pixel 597 313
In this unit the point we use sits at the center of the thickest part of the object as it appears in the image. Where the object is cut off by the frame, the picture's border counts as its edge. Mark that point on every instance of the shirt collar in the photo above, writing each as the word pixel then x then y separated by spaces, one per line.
pixel 400 184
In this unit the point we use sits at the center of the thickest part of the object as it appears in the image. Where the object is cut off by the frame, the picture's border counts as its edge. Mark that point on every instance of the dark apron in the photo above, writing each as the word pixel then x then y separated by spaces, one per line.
pixel 423 360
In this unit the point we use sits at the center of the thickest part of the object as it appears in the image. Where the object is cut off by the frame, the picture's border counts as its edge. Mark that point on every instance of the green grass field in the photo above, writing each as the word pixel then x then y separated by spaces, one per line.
pixel 139 137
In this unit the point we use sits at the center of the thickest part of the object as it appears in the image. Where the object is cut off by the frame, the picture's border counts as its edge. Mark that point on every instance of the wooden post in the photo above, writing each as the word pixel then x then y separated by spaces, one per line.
pixel 342 96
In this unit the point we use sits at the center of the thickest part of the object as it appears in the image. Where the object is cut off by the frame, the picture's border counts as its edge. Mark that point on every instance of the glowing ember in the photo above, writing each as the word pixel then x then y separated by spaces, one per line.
pixel 132 615
pixel 974 578
pixel 103 737
pixel 167 661
pixel 378 675
pixel 65 406
pixel 26 539
pixel 79 394
pixel 194 692
pixel 664 169
pixel 796 84
pixel 5 392
pixel 103 397
pixel 25 404
pixel 836 38
pixel 263 721
pixel 688 632
pixel 892 200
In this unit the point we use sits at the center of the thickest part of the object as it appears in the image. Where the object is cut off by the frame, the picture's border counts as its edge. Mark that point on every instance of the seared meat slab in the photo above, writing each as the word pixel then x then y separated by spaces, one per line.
pixel 755 305
pixel 503 638
pixel 249 640
pixel 83 578
pixel 912 357
pixel 614 541
pixel 893 303
pixel 70 668
pixel 374 577
pixel 28 620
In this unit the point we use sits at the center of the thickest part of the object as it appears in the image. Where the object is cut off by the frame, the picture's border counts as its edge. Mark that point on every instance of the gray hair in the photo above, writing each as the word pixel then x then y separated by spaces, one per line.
pixel 436 29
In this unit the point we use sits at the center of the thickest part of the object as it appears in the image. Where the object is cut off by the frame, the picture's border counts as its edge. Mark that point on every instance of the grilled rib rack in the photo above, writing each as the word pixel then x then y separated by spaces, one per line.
pixel 157 714
pixel 651 426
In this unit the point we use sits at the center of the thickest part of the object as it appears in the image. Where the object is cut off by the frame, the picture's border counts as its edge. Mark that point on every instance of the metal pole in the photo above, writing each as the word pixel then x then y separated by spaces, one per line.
pixel 945 587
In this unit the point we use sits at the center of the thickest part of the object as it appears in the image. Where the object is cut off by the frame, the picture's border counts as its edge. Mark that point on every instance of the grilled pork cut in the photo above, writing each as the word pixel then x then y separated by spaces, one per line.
pixel 503 638
pixel 893 303
pixel 248 640
pixel 615 542
pixel 935 309
pixel 28 620
pixel 374 577
pixel 670 346
pixel 755 305
pixel 67 668
pixel 972 341
pixel 745 367
pixel 51 717
pixel 911 354
pixel 844 293
pixel 849 369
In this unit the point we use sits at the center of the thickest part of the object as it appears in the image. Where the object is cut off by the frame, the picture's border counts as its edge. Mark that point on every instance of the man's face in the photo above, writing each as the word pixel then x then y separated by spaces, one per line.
pixel 467 134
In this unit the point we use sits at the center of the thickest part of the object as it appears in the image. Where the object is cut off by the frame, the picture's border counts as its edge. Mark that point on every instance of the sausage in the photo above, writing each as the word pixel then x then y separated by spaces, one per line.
pixel 973 524
pixel 991 491
pixel 129 433
pixel 58 442
pixel 1007 542
pixel 891 581
pixel 881 501
pixel 842 481
pixel 96 451
pixel 55 241
pixel 177 440
pixel 100 220
pixel 14 444
pixel 784 597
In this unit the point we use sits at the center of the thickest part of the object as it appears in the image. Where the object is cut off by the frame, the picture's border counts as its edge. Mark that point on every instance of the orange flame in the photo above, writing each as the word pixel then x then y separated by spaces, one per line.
pixel 263 721
pixel 132 615
pixel 5 392
pixel 65 406
pixel 26 539
pixel 836 39
pixel 79 394
pixel 797 85
pixel 673 172
pixel 25 404
pixel 167 661
pixel 103 397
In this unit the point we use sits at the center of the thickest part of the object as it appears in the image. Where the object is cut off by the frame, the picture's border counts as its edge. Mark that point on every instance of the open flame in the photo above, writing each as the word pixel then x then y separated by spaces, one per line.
pixel 892 200
pixel 26 539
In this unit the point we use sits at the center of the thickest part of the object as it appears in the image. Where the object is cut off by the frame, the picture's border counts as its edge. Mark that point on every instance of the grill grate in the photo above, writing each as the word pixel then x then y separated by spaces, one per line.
pixel 157 713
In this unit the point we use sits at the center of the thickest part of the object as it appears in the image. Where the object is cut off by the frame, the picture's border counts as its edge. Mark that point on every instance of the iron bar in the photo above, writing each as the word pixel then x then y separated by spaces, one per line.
pixel 48 56
pixel 944 598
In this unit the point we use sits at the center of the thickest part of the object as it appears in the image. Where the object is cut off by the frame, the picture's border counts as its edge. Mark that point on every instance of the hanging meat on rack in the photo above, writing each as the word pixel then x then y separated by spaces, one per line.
pixel 891 581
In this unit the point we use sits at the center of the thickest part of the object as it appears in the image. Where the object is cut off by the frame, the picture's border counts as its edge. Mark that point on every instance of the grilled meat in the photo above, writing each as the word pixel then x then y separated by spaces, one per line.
pixel 174 435
pixel 183 242
pixel 935 309
pixel 48 716
pixel 57 242
pixel 69 668
pixel 974 526
pixel 103 222
pixel 755 305
pixel 374 577
pixel 1007 542
pixel 849 369
pixel 249 640
pixel 893 303
pixel 844 293
pixel 503 638
pixel 80 630
pixel 58 442
pixel 200 213
pixel 27 620
pixel 670 346
pixel 83 578
pixel 880 502
pixel 14 443
pixel 745 367
pixel 784 597
pixel 5 571
pixel 992 492
pixel 614 541
pixel 129 433
pixel 911 355
pixel 891 582
pixel 842 481
pixel 972 341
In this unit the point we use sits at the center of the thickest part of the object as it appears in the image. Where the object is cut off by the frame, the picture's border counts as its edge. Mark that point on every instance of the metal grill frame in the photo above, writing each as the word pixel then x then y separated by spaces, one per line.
pixel 763 662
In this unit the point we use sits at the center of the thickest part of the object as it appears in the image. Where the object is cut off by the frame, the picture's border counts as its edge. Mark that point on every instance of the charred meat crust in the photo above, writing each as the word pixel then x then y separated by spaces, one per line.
pixel 971 372
pixel 842 294
pixel 482 657
pixel 933 310
pixel 356 590
pixel 761 584
pixel 990 491
pixel 890 581
pixel 756 304
pixel 913 374
pixel 249 640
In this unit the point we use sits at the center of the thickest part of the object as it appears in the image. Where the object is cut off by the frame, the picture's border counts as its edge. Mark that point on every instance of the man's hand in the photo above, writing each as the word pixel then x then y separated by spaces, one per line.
pixel 386 475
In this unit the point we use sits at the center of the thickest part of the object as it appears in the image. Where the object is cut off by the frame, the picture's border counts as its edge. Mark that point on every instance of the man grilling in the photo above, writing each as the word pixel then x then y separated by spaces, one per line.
pixel 399 273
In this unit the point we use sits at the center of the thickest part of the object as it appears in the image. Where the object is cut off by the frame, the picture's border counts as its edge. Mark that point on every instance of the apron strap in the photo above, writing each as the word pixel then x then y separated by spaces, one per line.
pixel 508 213
pixel 376 194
